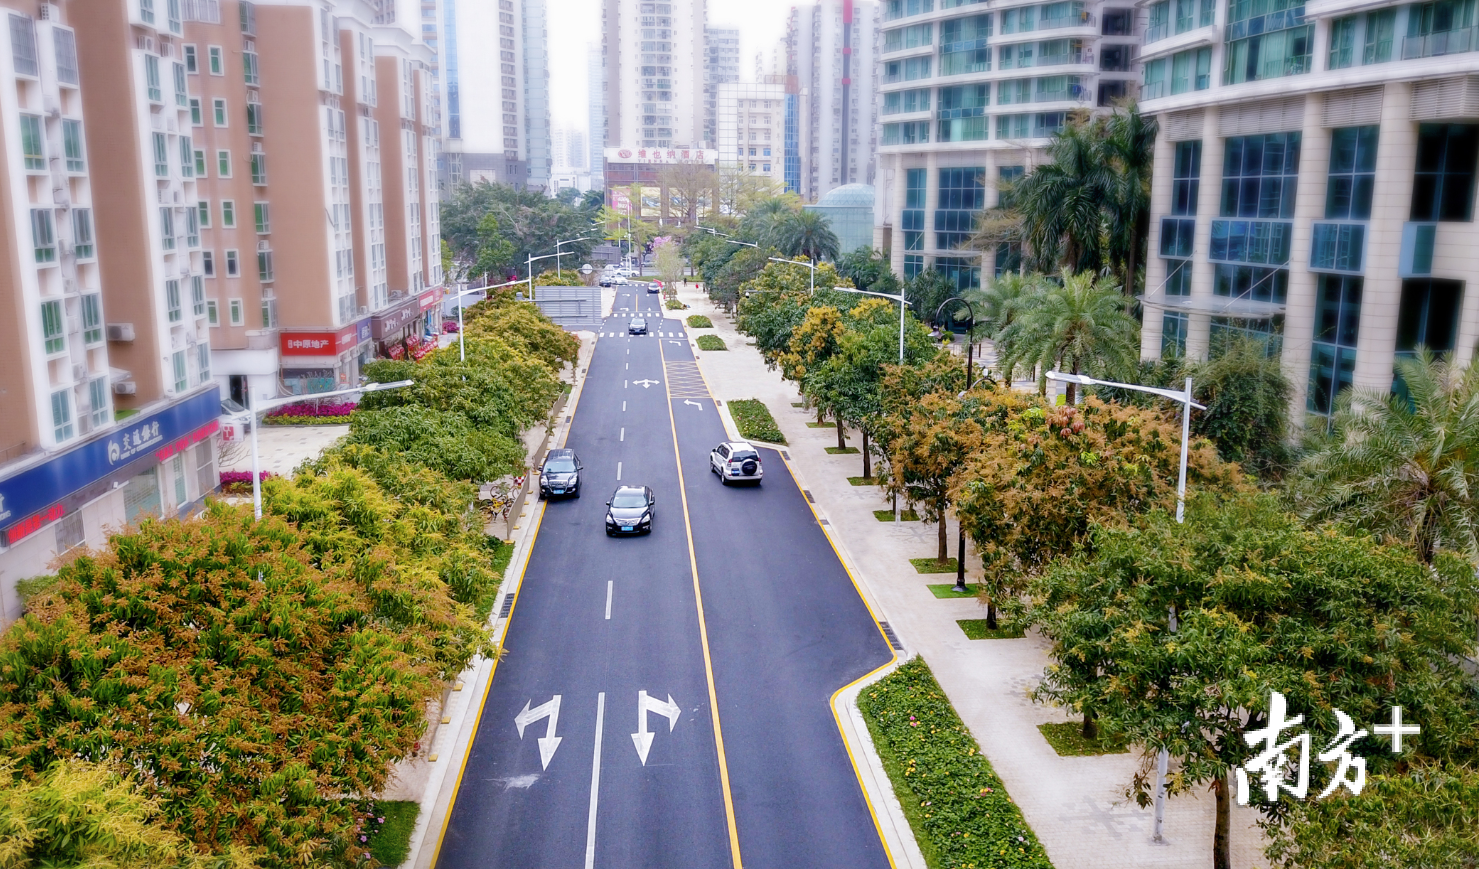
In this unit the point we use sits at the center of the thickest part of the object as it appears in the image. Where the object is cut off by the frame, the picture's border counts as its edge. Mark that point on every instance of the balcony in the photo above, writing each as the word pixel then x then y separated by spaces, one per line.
pixel 1440 43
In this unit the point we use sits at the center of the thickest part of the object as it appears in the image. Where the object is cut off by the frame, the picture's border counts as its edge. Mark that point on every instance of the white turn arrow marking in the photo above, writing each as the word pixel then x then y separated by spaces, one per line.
pixel 549 741
pixel 694 403
pixel 646 383
pixel 676 342
pixel 646 704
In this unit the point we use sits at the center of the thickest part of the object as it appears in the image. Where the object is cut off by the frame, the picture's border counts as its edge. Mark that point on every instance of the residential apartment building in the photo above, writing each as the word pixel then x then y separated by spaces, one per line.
pixel 595 85
pixel 316 178
pixel 721 67
pixel 1314 186
pixel 497 118
pixel 969 99
pixel 752 127
pixel 107 370
pixel 654 56
pixel 832 49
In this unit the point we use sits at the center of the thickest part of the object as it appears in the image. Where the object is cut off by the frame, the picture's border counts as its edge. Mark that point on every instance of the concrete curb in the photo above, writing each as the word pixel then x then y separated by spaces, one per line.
pixel 454 740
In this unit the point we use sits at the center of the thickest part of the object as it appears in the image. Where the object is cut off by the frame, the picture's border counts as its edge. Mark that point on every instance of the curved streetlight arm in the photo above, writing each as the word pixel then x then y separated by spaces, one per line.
pixel 1177 396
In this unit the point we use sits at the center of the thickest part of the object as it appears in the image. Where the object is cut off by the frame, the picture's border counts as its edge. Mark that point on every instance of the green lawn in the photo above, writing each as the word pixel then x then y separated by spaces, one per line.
pixel 710 342
pixel 955 803
pixel 1067 738
pixel 699 321
pixel 754 421
pixel 387 826
pixel 975 629
pixel 930 565
pixel 888 515
pixel 946 591
pixel 842 451
pixel 866 481
pixel 821 425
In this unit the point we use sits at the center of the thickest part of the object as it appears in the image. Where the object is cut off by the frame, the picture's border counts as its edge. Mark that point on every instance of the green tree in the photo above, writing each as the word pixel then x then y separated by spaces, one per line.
pixel 806 234
pixel 868 270
pixel 1002 301
pixel 669 264
pixel 1403 468
pixel 1080 327
pixel 445 441
pixel 1063 202
pixel 495 254
pixel 761 219
pixel 927 291
pixel 1261 604
pixel 1130 141
pixel 725 280
pixel 931 443
pixel 527 219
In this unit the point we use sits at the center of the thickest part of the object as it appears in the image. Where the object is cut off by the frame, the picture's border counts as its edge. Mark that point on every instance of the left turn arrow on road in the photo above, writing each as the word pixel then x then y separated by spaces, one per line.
pixel 549 741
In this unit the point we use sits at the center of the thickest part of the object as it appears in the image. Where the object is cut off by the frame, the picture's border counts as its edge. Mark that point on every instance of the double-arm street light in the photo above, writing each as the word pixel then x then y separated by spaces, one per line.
pixel 558 244
pixel 1183 398
pixel 530 269
pixel 795 262
pixel 969 347
pixel 730 239
pixel 253 414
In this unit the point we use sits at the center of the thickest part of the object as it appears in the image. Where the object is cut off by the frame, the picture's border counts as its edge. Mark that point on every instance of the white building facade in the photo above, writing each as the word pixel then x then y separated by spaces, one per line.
pixel 654 56
pixel 833 53
pixel 751 127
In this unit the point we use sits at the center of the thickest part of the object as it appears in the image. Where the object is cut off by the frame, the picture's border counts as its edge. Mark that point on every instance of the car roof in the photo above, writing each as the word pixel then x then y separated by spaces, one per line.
pixel 739 445
pixel 620 489
pixel 560 454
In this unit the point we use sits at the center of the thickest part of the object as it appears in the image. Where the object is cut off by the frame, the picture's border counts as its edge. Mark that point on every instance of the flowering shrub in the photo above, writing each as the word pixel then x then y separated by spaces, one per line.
pixel 311 413
pixel 240 482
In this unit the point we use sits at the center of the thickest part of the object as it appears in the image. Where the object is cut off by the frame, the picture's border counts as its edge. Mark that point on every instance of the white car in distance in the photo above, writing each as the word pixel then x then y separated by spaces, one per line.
pixel 736 461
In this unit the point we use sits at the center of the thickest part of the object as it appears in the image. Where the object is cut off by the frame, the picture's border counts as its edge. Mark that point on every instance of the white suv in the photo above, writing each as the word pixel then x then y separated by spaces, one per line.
pixel 734 461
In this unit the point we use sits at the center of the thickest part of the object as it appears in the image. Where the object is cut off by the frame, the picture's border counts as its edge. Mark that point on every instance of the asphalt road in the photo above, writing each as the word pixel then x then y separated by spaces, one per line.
pixel 599 620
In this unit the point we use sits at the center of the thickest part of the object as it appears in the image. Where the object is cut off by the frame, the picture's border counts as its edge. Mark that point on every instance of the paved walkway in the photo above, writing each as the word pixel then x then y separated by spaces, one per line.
pixel 1075 804
pixel 282 448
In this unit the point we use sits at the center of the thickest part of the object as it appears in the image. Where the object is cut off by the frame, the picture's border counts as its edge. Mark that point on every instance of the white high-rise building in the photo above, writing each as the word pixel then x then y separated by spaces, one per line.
pixel 494 75
pixel 752 119
pixel 1314 187
pixel 971 98
pixel 596 113
pixel 654 62
pixel 721 67
pixel 833 47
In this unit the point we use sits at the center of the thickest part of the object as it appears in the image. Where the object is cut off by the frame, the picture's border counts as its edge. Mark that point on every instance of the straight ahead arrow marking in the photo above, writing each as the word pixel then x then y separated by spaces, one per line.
pixel 549 741
pixel 647 384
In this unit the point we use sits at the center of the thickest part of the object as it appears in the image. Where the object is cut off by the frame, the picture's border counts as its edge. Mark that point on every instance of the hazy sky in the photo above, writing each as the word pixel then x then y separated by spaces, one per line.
pixel 576 24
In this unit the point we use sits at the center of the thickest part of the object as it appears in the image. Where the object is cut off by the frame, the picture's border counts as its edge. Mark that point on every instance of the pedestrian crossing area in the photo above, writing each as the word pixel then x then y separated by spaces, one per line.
pixel 684 380
pixel 659 334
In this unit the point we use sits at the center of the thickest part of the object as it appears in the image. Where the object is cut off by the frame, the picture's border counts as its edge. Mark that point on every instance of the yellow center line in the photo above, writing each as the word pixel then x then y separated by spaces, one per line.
pixel 703 633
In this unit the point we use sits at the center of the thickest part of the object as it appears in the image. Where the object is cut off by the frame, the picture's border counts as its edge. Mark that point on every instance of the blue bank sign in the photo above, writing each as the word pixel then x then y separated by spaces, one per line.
pixel 31 499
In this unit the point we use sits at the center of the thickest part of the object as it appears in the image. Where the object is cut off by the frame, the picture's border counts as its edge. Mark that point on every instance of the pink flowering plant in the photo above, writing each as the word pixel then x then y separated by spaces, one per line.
pixel 240 482
pixel 311 413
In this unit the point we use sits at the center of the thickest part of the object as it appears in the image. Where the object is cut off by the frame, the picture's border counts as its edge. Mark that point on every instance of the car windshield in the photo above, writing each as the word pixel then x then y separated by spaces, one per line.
pixel 560 466
pixel 639 322
pixel 629 499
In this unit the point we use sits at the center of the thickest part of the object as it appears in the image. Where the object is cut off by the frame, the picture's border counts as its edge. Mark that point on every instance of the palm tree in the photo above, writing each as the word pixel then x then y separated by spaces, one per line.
pixel 1063 202
pixel 808 234
pixel 1002 303
pixel 760 222
pixel 1403 468
pixel 1080 327
pixel 1131 142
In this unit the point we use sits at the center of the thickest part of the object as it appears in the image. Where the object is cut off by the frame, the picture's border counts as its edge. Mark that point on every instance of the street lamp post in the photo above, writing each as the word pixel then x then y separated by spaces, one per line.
pixel 810 265
pixel 1163 760
pixel 530 269
pixel 969 347
pixel 257 411
pixel 567 241
pixel 461 348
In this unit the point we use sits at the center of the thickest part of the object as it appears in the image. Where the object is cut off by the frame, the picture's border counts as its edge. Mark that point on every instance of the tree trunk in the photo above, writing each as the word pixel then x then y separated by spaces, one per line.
pixel 1090 729
pixel 841 434
pixel 944 537
pixel 867 464
pixel 821 415
pixel 1129 287
pixel 1221 840
pixel 991 613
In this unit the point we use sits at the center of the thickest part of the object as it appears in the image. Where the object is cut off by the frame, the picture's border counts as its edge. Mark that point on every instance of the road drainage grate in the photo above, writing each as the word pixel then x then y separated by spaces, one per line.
pixel 809 498
pixel 893 639
pixel 785 455
pixel 508 605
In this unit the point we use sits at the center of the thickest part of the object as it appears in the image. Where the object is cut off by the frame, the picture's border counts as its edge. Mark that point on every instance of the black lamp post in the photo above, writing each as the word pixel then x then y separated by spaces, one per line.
pixel 969 348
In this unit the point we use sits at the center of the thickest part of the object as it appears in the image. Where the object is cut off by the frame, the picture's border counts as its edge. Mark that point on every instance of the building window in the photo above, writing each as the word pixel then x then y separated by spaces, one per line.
pixel 1191 70
pixel 904 8
pixel 192 63
pixel 259 168
pixel 203 361
pixel 1013 126
pixel 264 265
pixel 82 244
pixel 204 209
pixel 192 229
pixel 216 65
pixel 151 78
pixel 1267 332
pixel 61 416
pixel 907 133
pixel 182 374
pixel 92 319
pixel 1259 175
pixel 907 37
pixel 1178 232
pixel 254 119
pixel 212 314
pixel 53 327
pixel 172 8
pixel 1381 29
pixel 1177 237
pixel 161 156
pixel 962 113
pixel 233 264
pixel 33 143
pixel 1443 183
pixel 208 263
pixel 167 227
pixel 1250 282
pixel 72 145
pixel 1006 178
pixel 249 67
pixel 1117 22
pixel 97 396
pixel 172 300
pixel 65 42
pixel 43 235
pixel 199 163
pixel 1342 46
pixel 228 214
pixel 218 112
pixel 1266 39
pixel 913 265
pixel 1428 315
pixel 963 272
pixel 1333 356
pixel 914 205
pixel 1174 327
pixel 1348 191
pixel 187 158
pixel 897 102
pixel 1155 80
pixel 182 93
pixel 23 45
pixel 910 69
pixel 235 311
pixel 1178 277
pixel 223 164
pixel 264 218
pixel 248 15
pixel 963 45
pixel 962 197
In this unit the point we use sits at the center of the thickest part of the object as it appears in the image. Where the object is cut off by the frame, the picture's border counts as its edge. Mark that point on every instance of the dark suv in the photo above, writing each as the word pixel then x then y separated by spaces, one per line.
pixel 560 474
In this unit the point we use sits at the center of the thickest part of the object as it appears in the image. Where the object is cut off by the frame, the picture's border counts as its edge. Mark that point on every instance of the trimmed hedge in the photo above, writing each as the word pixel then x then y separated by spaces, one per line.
pixel 699 321
pixel 754 421
pixel 956 804
pixel 711 342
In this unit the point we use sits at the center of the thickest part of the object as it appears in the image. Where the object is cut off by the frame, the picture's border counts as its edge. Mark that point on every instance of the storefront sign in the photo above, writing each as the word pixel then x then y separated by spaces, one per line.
pixel 386 323
pixel 362 331
pixel 319 343
pixel 28 500
pixel 661 155
pixel 429 298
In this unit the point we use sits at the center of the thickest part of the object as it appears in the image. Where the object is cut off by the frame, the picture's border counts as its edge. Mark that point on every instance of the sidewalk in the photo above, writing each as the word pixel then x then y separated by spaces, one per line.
pixel 1075 805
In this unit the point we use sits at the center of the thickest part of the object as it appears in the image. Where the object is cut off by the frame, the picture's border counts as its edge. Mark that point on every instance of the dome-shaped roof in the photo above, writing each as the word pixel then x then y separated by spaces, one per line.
pixel 848 196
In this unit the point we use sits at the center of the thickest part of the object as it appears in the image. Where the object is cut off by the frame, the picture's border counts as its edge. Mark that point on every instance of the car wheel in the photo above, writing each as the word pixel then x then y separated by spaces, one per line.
pixel 723 480
pixel 608 533
pixel 541 496
pixel 576 494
